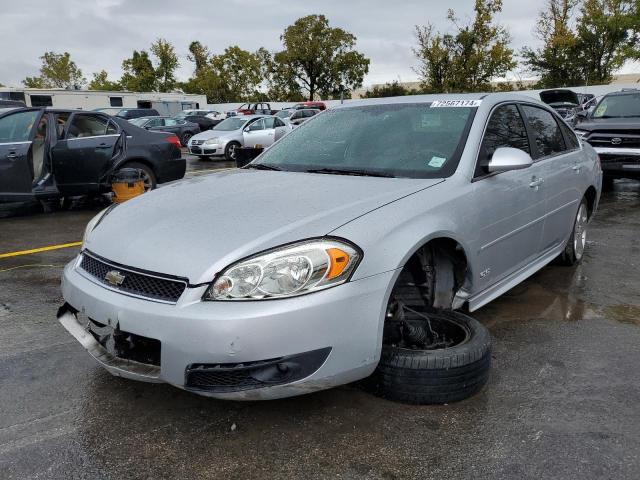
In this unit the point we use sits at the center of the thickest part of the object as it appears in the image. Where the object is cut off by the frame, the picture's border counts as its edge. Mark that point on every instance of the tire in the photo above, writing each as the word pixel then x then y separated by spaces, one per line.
pixel 574 251
pixel 148 175
pixel 445 375
pixel 229 151
pixel 184 139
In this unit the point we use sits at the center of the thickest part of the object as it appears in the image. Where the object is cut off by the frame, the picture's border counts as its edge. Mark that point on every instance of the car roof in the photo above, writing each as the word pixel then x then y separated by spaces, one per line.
pixel 489 97
pixel 633 91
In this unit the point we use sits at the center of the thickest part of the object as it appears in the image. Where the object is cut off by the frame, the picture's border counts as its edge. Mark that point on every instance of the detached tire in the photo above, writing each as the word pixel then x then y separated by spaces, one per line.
pixel 437 376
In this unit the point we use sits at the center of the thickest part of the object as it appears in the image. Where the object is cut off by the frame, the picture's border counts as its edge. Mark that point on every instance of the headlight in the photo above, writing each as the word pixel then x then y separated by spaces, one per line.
pixel 211 141
pixel 581 133
pixel 287 271
pixel 93 223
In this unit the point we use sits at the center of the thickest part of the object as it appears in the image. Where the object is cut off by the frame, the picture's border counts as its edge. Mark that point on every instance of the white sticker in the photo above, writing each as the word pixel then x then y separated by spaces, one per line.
pixel 436 162
pixel 455 103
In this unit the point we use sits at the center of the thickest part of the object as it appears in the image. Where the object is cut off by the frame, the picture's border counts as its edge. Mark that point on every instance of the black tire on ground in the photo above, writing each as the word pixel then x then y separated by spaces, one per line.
pixel 574 251
pixel 186 136
pixel 148 175
pixel 436 376
pixel 229 151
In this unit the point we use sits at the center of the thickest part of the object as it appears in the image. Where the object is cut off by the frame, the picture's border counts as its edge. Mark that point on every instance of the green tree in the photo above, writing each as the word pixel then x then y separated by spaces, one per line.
pixel 167 64
pixel 101 81
pixel 241 71
pixel 393 89
pixel 607 35
pixel 557 62
pixel 200 55
pixel 278 79
pixel 319 58
pixel 57 71
pixel 469 59
pixel 139 74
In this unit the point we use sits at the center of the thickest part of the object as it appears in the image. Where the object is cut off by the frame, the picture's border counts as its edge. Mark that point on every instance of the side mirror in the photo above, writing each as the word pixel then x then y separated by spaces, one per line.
pixel 507 158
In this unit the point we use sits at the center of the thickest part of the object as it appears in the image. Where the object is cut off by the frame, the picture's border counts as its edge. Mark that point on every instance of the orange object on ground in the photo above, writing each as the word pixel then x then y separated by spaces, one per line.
pixel 127 184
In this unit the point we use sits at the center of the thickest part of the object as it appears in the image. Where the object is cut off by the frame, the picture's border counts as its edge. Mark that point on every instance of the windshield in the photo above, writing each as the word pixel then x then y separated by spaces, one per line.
pixel 284 113
pixel 230 124
pixel 400 140
pixel 627 105
pixel 139 122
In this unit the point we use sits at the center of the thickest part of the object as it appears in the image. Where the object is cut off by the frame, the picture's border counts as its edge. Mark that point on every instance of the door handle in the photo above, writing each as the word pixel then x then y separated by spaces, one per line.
pixel 12 155
pixel 576 168
pixel 103 145
pixel 271 134
pixel 536 182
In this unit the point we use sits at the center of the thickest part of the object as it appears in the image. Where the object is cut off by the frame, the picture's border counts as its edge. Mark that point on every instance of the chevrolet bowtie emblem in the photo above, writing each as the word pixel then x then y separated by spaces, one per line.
pixel 114 277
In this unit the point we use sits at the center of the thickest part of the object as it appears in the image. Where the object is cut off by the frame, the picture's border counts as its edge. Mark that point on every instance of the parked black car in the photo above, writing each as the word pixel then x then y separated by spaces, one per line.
pixel 129 113
pixel 11 103
pixel 613 129
pixel 205 123
pixel 48 154
pixel 183 129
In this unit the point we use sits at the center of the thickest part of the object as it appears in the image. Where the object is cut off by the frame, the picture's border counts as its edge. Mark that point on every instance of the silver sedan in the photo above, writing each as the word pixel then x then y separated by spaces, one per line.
pixel 282 277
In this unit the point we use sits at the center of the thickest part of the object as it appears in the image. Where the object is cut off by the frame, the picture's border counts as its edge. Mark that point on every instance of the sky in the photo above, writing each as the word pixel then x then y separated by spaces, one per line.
pixel 99 34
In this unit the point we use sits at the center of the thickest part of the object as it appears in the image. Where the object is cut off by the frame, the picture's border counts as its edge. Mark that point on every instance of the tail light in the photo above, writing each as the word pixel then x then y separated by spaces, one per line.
pixel 173 139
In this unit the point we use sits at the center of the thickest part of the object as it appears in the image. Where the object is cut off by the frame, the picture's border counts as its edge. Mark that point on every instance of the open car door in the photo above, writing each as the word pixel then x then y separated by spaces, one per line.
pixel 84 156
pixel 18 131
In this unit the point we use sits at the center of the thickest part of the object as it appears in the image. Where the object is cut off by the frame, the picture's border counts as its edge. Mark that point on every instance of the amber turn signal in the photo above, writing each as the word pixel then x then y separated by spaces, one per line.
pixel 338 261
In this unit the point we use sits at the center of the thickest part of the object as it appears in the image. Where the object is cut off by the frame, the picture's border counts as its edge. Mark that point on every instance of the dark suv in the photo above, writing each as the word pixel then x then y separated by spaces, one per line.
pixel 613 129
pixel 47 154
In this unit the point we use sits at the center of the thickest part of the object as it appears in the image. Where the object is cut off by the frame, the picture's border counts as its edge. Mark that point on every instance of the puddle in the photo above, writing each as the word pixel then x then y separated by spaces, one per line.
pixel 622 313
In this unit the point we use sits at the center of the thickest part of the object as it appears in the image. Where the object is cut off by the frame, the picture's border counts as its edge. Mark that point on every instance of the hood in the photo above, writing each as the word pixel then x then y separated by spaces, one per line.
pixel 207 134
pixel 195 227
pixel 559 97
pixel 611 125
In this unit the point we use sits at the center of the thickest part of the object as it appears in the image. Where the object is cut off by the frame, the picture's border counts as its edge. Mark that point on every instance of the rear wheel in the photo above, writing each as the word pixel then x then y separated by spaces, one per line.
pixel 230 151
pixel 574 251
pixel 148 176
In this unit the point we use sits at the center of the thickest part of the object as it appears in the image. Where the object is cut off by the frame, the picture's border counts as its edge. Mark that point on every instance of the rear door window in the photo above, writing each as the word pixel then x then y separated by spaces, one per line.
pixel 269 122
pixel 547 136
pixel 17 127
pixel 87 126
pixel 505 129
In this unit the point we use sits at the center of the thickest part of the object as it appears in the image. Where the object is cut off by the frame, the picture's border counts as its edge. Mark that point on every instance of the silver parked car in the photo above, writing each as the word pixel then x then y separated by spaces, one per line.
pixel 224 138
pixel 288 284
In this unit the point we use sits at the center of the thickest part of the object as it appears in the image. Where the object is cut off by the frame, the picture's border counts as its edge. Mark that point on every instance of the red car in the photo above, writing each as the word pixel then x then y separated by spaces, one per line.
pixel 252 109
pixel 316 105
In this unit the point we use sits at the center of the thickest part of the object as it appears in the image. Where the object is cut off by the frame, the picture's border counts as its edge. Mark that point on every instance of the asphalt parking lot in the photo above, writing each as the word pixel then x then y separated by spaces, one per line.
pixel 561 403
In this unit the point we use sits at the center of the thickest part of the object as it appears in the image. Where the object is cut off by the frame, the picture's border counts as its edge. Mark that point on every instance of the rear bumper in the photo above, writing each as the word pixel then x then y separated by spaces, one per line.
pixel 171 170
pixel 346 319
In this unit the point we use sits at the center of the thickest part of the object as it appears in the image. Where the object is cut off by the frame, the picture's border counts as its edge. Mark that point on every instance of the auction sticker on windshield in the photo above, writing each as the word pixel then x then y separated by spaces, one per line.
pixel 455 103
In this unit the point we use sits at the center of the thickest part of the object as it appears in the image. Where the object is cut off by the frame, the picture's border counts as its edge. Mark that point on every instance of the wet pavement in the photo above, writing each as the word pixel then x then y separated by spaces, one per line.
pixel 561 403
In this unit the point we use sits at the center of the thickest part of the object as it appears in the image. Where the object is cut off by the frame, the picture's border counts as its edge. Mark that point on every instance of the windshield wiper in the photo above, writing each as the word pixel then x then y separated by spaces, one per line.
pixel 262 166
pixel 359 173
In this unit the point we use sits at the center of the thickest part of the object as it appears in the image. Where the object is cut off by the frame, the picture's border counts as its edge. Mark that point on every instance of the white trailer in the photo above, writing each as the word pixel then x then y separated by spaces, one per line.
pixel 166 103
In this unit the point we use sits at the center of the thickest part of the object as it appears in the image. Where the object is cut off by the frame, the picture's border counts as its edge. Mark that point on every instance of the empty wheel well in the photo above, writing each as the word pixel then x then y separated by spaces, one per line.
pixel 590 195
pixel 432 275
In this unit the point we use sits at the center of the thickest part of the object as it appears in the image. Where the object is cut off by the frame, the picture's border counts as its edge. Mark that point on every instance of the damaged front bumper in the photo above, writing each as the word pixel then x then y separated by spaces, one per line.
pixel 233 350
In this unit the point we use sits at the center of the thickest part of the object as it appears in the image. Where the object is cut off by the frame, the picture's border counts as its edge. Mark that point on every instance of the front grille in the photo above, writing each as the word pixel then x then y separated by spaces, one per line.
pixel 197 142
pixel 134 282
pixel 601 139
pixel 608 158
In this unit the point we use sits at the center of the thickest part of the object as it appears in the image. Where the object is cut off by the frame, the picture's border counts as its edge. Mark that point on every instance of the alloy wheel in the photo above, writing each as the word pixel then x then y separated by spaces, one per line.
pixel 580 232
